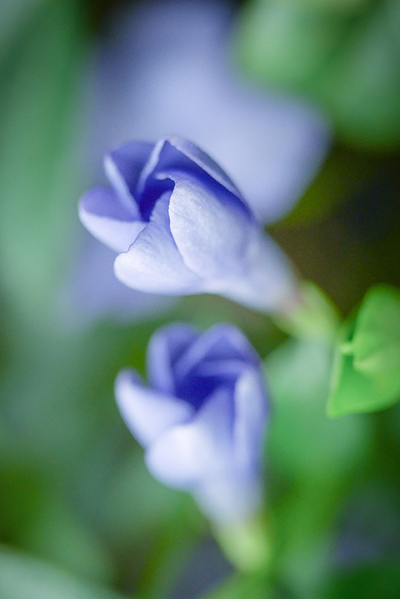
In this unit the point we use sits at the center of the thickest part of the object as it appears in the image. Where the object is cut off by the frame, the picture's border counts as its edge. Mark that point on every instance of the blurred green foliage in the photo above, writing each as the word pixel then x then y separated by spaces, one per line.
pixel 40 120
pixel 22 577
pixel 315 458
pixel 347 60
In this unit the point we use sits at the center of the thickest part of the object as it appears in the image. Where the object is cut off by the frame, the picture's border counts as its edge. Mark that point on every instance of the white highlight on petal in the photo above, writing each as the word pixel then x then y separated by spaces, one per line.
pixel 269 283
pixel 148 413
pixel 187 454
pixel 211 232
pixel 153 263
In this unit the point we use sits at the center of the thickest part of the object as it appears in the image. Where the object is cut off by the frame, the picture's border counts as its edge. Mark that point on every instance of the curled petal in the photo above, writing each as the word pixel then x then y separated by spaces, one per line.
pixel 153 262
pixel 223 342
pixel 123 166
pixel 107 219
pixel 187 454
pixel 211 231
pixel 178 149
pixel 176 153
pixel 166 347
pixel 146 412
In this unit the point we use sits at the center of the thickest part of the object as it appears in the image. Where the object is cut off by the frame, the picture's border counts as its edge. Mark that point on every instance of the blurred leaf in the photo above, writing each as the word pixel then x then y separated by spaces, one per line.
pixel 286 43
pixel 22 489
pixel 366 373
pixel 303 442
pixel 332 5
pixel 314 456
pixel 40 78
pixel 135 505
pixel 57 534
pixel 337 180
pixel 22 577
pixel 35 516
pixel 240 586
pixel 13 14
pixel 370 582
pixel 363 85
pixel 349 62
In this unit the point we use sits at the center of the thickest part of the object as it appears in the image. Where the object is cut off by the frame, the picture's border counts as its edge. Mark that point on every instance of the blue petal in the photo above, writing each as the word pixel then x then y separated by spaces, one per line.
pixel 123 166
pixel 269 283
pixel 223 342
pixel 107 219
pixel 166 347
pixel 211 231
pixel 148 413
pixel 250 420
pixel 187 454
pixel 153 263
pixel 177 153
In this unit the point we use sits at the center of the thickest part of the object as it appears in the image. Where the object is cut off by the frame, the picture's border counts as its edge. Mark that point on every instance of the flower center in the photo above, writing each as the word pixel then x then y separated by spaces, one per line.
pixel 152 192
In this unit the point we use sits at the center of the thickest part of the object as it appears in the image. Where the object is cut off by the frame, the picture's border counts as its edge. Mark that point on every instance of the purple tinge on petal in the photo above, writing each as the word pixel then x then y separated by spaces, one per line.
pixel 211 230
pixel 166 346
pixel 153 263
pixel 223 342
pixel 107 219
pixel 148 413
pixel 188 454
pixel 177 154
pixel 123 166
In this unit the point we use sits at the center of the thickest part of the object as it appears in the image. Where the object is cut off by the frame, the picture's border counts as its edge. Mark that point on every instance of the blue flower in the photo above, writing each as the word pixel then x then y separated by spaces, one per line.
pixel 172 69
pixel 181 227
pixel 203 419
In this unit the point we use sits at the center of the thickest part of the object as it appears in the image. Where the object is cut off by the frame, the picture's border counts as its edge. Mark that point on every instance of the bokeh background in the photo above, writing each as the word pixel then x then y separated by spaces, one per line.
pixel 299 101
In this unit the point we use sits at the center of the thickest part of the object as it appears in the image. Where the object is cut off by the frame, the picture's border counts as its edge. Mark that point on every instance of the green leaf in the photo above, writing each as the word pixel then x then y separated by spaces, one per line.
pixel 366 373
pixel 376 340
pixel 41 138
pixel 22 577
pixel 303 443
